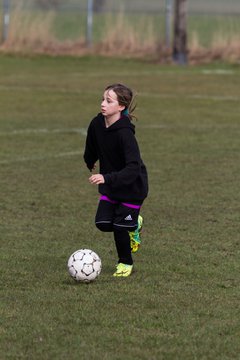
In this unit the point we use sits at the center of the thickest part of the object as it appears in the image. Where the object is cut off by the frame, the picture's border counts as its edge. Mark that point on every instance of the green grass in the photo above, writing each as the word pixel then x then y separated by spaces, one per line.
pixel 182 302
pixel 208 26
pixel 71 25
pixel 150 5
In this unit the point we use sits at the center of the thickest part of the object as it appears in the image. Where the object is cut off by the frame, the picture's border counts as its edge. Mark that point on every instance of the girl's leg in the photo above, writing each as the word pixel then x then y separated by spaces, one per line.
pixel 126 219
pixel 104 216
pixel 122 241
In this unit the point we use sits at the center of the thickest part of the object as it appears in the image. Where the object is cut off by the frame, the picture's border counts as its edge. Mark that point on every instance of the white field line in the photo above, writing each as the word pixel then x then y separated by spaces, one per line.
pixel 154 72
pixel 143 94
pixel 217 72
pixel 159 72
pixel 81 131
pixel 214 97
pixel 193 96
pixel 40 158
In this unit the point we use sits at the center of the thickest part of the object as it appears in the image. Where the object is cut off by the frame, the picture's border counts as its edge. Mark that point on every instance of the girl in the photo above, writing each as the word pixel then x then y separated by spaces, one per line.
pixel 123 182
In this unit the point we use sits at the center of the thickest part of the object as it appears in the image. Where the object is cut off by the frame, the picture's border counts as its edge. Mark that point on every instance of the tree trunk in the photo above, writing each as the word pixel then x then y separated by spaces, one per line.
pixel 98 5
pixel 180 32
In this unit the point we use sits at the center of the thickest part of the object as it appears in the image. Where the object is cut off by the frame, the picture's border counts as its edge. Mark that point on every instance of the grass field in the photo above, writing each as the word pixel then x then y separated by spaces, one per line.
pixel 182 302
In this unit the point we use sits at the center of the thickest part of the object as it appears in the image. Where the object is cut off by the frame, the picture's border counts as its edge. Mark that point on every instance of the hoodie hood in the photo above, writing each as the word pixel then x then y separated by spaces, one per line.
pixel 123 122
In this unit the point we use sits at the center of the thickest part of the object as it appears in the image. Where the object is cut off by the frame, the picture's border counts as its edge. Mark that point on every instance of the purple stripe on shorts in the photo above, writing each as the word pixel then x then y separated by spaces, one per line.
pixel 105 198
pixel 132 206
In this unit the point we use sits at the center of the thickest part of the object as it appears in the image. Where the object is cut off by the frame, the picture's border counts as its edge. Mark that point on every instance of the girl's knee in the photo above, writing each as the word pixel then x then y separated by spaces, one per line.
pixel 117 228
pixel 105 227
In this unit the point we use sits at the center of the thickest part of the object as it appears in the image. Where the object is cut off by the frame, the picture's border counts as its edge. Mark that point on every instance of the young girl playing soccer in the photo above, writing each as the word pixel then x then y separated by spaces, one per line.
pixel 122 178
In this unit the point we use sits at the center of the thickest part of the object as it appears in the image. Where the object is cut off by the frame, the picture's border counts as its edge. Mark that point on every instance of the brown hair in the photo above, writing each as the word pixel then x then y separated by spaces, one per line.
pixel 125 98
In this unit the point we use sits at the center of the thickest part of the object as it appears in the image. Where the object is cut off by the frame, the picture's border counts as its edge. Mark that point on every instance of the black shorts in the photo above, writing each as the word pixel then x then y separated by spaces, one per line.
pixel 113 215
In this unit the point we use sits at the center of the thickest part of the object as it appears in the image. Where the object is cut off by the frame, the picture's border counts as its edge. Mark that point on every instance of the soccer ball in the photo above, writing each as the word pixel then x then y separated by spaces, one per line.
pixel 84 265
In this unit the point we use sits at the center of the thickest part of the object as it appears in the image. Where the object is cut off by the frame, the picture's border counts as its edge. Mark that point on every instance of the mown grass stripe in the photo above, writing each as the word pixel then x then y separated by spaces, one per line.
pixel 40 158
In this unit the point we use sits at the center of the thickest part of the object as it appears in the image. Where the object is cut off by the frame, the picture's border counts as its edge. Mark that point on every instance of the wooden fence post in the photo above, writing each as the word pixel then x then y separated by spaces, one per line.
pixel 180 32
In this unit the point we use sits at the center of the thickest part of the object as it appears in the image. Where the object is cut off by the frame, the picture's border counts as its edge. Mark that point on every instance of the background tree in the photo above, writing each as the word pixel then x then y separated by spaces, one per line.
pixel 98 5
pixel 180 32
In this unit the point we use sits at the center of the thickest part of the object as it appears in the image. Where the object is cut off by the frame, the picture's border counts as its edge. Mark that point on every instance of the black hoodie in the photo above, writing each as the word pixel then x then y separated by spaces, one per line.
pixel 119 158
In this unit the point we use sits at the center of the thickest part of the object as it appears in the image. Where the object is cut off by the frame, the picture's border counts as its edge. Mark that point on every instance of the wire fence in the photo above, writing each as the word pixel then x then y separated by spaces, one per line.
pixel 95 21
pixel 136 6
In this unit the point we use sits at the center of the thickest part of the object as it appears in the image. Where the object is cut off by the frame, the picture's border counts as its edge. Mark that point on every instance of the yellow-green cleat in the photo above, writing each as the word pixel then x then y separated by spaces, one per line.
pixel 123 270
pixel 135 236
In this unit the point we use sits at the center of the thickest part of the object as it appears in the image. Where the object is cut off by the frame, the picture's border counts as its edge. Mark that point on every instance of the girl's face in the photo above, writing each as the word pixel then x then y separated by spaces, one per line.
pixel 110 105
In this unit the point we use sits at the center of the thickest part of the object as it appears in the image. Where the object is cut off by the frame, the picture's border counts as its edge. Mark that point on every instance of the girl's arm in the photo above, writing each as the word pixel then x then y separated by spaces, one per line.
pixel 90 153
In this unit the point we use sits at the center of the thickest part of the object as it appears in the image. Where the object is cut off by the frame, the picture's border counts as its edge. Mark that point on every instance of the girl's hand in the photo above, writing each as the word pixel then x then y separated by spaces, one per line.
pixel 96 179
